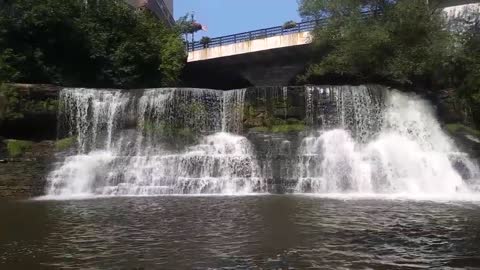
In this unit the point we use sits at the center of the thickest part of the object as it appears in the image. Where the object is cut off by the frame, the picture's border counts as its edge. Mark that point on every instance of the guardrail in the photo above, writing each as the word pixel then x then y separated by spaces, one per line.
pixel 267 32
pixel 257 34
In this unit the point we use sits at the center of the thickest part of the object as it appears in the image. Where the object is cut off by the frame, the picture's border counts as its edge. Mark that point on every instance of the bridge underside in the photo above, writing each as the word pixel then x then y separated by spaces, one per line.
pixel 263 68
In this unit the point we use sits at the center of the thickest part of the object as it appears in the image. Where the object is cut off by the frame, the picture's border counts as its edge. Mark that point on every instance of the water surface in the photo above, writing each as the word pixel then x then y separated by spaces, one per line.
pixel 249 232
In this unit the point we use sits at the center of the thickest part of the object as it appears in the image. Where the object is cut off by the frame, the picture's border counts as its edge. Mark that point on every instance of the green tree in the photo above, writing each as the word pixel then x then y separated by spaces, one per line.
pixel 90 43
pixel 465 71
pixel 400 42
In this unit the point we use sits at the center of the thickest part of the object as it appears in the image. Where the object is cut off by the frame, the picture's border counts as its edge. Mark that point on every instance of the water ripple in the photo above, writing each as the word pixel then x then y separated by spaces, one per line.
pixel 253 232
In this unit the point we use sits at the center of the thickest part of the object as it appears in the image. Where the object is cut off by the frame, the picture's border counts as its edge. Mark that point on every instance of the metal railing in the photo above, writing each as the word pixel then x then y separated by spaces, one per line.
pixel 257 34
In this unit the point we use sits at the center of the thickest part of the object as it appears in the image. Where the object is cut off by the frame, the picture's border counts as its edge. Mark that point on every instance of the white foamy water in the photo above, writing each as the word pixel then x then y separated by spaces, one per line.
pixel 368 140
pixel 409 154
pixel 121 147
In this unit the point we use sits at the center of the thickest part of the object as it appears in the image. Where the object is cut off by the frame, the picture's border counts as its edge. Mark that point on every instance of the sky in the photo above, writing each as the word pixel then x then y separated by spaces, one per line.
pixel 225 17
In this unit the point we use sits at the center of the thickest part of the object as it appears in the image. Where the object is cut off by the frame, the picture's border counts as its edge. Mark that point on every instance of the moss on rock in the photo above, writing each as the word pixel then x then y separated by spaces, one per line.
pixel 457 127
pixel 288 128
pixel 281 128
pixel 174 134
pixel 17 148
pixel 64 144
pixel 260 129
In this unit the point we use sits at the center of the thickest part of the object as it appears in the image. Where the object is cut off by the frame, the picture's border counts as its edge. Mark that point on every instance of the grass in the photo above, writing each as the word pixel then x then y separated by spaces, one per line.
pixel 17 148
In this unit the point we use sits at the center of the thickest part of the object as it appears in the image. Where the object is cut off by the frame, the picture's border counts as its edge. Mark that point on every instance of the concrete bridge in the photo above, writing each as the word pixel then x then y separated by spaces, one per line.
pixel 254 41
pixel 271 56
pixel 451 3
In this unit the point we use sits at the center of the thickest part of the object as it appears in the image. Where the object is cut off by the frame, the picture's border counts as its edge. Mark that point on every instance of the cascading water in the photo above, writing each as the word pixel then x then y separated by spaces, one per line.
pixel 361 140
pixel 123 150
pixel 388 143
pixel 233 106
pixel 92 115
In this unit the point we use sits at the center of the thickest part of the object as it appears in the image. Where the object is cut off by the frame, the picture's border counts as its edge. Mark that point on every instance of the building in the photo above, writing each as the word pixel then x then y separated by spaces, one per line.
pixel 163 9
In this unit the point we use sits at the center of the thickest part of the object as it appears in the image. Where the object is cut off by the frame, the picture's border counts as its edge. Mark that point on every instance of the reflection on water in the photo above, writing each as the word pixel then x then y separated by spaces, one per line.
pixel 266 232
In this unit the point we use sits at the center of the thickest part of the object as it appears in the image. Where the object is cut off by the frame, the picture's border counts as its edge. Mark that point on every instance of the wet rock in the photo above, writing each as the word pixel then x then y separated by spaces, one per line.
pixel 25 176
pixel 467 138
pixel 448 109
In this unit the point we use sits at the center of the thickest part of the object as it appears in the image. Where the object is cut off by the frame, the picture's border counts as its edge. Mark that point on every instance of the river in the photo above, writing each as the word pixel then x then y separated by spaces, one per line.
pixel 239 232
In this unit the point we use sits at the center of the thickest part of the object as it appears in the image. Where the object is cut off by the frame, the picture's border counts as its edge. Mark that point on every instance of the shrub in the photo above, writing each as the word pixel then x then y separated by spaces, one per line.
pixel 401 42
pixel 205 41
pixel 289 25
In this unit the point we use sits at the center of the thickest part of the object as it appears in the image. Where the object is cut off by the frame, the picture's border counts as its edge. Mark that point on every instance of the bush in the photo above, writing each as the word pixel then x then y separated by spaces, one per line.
pixel 289 25
pixel 99 44
pixel 14 106
pixel 402 42
pixel 463 73
pixel 205 41
pixel 10 103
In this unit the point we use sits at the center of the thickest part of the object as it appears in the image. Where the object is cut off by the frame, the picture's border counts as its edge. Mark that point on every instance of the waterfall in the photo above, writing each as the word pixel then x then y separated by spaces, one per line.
pixel 357 108
pixel 124 143
pixel 389 143
pixel 360 140
pixel 233 106
pixel 92 114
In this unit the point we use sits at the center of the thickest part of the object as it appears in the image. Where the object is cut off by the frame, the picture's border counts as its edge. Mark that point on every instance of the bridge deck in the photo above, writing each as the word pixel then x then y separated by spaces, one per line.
pixel 272 38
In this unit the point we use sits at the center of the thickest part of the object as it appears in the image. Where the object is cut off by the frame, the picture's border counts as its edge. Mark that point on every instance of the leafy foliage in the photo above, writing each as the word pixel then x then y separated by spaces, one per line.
pixel 466 71
pixel 15 105
pixel 205 40
pixel 289 25
pixel 10 103
pixel 187 24
pixel 406 43
pixel 401 42
pixel 92 43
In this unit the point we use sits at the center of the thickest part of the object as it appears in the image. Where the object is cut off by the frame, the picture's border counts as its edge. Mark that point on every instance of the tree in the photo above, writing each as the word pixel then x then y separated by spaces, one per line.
pixel 187 25
pixel 466 71
pixel 88 43
pixel 400 42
